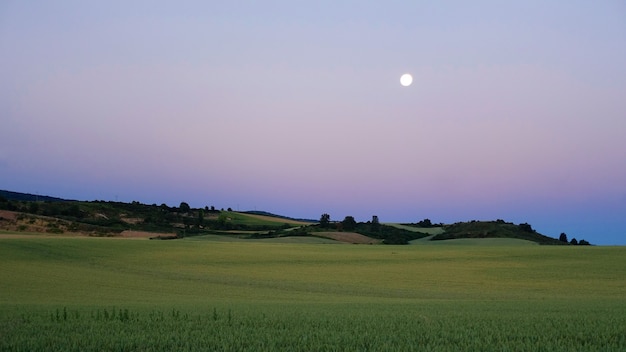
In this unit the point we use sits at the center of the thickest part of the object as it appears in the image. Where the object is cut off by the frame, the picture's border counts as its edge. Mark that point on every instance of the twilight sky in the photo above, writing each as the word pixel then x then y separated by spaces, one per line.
pixel 517 110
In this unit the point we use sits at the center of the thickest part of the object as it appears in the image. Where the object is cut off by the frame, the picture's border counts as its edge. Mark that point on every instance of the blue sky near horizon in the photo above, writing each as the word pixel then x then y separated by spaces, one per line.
pixel 517 109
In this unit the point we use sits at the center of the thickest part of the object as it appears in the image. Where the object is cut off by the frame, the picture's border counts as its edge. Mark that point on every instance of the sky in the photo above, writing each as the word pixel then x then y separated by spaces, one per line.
pixel 517 110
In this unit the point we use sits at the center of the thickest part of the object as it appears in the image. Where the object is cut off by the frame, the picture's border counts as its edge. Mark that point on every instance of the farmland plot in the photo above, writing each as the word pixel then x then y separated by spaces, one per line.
pixel 115 294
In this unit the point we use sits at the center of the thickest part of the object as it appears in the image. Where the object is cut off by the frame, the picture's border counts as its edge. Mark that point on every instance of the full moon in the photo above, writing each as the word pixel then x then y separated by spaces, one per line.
pixel 406 80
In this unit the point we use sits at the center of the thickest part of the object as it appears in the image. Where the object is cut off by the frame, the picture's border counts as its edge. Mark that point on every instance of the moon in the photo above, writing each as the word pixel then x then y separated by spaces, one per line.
pixel 406 80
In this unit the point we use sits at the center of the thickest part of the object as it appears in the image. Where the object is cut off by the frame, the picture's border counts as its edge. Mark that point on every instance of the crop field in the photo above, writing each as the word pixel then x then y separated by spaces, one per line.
pixel 254 219
pixel 209 294
pixel 428 230
pixel 264 219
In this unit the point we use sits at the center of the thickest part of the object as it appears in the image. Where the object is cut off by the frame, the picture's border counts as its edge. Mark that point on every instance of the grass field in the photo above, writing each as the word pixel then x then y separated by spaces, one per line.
pixel 197 294
pixel 428 230
pixel 254 219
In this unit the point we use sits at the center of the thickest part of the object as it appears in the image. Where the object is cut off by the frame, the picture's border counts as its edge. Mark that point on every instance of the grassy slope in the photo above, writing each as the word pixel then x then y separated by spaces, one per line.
pixel 429 230
pixel 255 219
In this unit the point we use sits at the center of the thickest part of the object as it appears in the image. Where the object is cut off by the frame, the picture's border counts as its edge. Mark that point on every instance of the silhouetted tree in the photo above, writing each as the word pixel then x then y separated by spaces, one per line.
pixel 375 226
pixel 573 241
pixel 349 223
pixel 425 223
pixel 184 207
pixel 583 243
pixel 563 237
pixel 324 220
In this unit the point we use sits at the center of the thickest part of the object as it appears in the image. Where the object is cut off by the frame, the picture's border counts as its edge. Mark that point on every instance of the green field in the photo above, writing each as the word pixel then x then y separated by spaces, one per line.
pixel 210 294
pixel 429 230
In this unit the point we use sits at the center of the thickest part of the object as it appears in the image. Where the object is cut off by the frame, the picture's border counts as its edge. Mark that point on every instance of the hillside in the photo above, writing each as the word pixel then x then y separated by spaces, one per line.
pixel 20 212
pixel 102 218
pixel 8 195
pixel 494 229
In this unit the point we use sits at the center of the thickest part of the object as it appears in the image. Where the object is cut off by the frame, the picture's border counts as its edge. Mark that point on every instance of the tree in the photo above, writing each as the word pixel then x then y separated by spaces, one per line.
pixel 324 220
pixel 425 223
pixel 583 243
pixel 573 241
pixel 200 217
pixel 184 207
pixel 349 223
pixel 563 237
pixel 375 226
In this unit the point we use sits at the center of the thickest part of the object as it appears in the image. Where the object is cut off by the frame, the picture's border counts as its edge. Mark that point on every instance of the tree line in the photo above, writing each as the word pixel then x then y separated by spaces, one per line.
pixel 573 241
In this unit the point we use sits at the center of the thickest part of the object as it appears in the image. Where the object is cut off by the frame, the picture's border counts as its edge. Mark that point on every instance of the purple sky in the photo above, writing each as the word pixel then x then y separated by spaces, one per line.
pixel 517 111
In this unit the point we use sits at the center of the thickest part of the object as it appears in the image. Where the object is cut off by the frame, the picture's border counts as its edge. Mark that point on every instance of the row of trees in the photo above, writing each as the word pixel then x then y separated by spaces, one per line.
pixel 563 238
pixel 348 223
pixel 372 228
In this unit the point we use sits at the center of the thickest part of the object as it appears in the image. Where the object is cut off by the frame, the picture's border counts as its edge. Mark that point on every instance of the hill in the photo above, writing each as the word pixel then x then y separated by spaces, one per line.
pixel 8 195
pixel 493 229
pixel 104 218
pixel 41 214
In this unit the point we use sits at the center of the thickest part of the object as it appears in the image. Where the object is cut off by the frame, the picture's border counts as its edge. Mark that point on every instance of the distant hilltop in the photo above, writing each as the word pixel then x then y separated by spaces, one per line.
pixel 8 195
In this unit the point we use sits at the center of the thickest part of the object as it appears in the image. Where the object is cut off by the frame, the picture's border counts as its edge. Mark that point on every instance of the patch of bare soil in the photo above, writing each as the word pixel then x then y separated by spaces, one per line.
pixel 131 220
pixel 8 215
pixel 348 237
